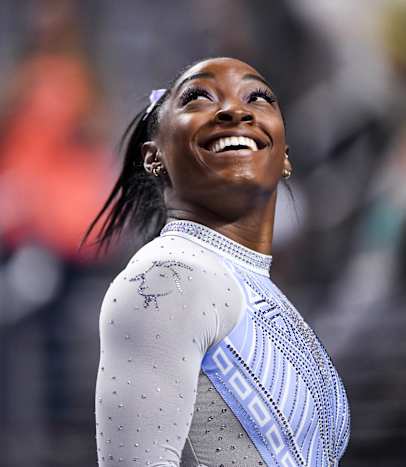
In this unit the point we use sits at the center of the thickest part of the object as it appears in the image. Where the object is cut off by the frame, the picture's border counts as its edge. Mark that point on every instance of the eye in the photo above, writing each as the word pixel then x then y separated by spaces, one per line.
pixel 192 94
pixel 262 95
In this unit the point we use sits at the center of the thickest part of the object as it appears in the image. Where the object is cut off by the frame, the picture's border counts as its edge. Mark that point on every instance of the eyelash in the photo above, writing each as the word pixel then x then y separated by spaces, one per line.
pixel 193 93
pixel 264 93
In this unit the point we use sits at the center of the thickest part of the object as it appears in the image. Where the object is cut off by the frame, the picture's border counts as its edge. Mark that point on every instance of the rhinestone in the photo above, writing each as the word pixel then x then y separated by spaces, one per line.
pixel 207 235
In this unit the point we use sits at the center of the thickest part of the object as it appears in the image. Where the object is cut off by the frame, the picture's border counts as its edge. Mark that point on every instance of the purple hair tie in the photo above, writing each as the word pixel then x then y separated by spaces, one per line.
pixel 154 97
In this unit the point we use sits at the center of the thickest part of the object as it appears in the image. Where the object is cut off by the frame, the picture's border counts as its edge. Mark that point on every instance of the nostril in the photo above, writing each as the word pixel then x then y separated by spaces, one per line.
pixel 224 117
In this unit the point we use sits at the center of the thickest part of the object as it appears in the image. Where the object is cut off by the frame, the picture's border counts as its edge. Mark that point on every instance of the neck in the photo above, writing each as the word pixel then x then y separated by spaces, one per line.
pixel 252 228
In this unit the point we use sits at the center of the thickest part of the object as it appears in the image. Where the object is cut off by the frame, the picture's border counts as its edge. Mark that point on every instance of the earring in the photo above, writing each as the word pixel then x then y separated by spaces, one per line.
pixel 156 170
pixel 159 170
pixel 286 173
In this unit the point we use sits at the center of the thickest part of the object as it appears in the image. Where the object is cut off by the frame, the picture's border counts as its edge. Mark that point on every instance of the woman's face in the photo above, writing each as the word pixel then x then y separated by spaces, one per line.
pixel 221 138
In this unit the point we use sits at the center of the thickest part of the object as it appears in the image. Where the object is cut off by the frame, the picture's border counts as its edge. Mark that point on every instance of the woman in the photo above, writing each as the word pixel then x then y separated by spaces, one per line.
pixel 204 362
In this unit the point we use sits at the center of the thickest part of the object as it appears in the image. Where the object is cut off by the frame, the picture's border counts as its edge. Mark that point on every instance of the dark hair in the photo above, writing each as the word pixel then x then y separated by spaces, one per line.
pixel 136 199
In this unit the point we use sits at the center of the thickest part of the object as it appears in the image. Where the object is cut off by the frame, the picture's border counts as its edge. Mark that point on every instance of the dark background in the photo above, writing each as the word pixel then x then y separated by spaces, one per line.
pixel 72 74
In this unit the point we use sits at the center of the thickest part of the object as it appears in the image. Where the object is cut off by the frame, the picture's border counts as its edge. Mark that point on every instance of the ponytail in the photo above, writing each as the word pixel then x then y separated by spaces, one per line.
pixel 136 200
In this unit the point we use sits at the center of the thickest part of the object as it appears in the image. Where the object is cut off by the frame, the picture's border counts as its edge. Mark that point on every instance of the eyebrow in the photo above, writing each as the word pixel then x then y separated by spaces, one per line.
pixel 203 74
pixel 207 74
pixel 250 76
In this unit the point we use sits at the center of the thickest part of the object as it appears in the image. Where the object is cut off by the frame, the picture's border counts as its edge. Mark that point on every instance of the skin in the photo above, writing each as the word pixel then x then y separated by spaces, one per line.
pixel 232 192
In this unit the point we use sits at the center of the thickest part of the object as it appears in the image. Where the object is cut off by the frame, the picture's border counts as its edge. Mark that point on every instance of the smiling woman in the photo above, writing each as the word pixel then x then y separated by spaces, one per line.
pixel 204 361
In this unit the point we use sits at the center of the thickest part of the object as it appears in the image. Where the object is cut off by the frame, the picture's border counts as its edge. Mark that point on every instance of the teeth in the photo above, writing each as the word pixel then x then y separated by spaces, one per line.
pixel 221 143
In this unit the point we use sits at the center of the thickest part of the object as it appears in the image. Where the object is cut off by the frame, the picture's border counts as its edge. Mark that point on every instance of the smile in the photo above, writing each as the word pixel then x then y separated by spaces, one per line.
pixel 233 143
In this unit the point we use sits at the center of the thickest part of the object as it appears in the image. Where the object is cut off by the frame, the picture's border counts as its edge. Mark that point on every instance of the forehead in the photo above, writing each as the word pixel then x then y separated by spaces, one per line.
pixel 218 67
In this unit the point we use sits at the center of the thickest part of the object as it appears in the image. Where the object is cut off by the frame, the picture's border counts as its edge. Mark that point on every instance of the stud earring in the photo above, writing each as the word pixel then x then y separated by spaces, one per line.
pixel 159 170
pixel 156 170
pixel 287 172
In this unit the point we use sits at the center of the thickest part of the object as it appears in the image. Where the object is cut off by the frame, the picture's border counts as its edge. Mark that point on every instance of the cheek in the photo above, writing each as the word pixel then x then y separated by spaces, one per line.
pixel 277 130
pixel 177 142
pixel 177 150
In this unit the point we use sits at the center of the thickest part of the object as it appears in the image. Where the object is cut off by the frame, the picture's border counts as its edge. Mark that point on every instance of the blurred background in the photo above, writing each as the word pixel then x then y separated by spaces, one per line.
pixel 73 73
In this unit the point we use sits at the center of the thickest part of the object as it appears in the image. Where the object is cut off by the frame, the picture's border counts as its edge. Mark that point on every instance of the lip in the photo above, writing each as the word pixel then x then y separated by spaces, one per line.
pixel 260 141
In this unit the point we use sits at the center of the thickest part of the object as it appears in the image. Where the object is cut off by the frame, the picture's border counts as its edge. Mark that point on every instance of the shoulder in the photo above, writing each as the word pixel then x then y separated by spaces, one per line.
pixel 173 273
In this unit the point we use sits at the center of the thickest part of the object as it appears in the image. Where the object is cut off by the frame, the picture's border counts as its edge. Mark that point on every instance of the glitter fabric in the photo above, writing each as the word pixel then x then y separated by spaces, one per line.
pixel 204 362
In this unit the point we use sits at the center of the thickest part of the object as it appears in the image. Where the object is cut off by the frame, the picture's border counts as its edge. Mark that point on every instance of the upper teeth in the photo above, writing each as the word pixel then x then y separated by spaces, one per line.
pixel 221 143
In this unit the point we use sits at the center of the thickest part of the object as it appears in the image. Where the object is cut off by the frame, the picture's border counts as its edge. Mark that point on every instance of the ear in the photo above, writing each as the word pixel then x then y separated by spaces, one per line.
pixel 149 153
pixel 286 162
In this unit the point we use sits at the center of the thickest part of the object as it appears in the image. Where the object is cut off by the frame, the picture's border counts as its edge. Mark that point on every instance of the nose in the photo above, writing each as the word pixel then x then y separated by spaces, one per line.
pixel 234 114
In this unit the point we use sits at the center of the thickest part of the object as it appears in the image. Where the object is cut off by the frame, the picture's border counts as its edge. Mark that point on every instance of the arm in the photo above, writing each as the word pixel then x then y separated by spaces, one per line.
pixel 156 323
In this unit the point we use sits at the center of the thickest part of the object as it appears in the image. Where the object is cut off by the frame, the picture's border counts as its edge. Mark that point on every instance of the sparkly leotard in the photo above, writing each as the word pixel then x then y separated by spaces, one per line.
pixel 204 362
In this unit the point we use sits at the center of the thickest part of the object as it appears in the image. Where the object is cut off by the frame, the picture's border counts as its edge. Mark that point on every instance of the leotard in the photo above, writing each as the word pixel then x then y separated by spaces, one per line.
pixel 205 362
